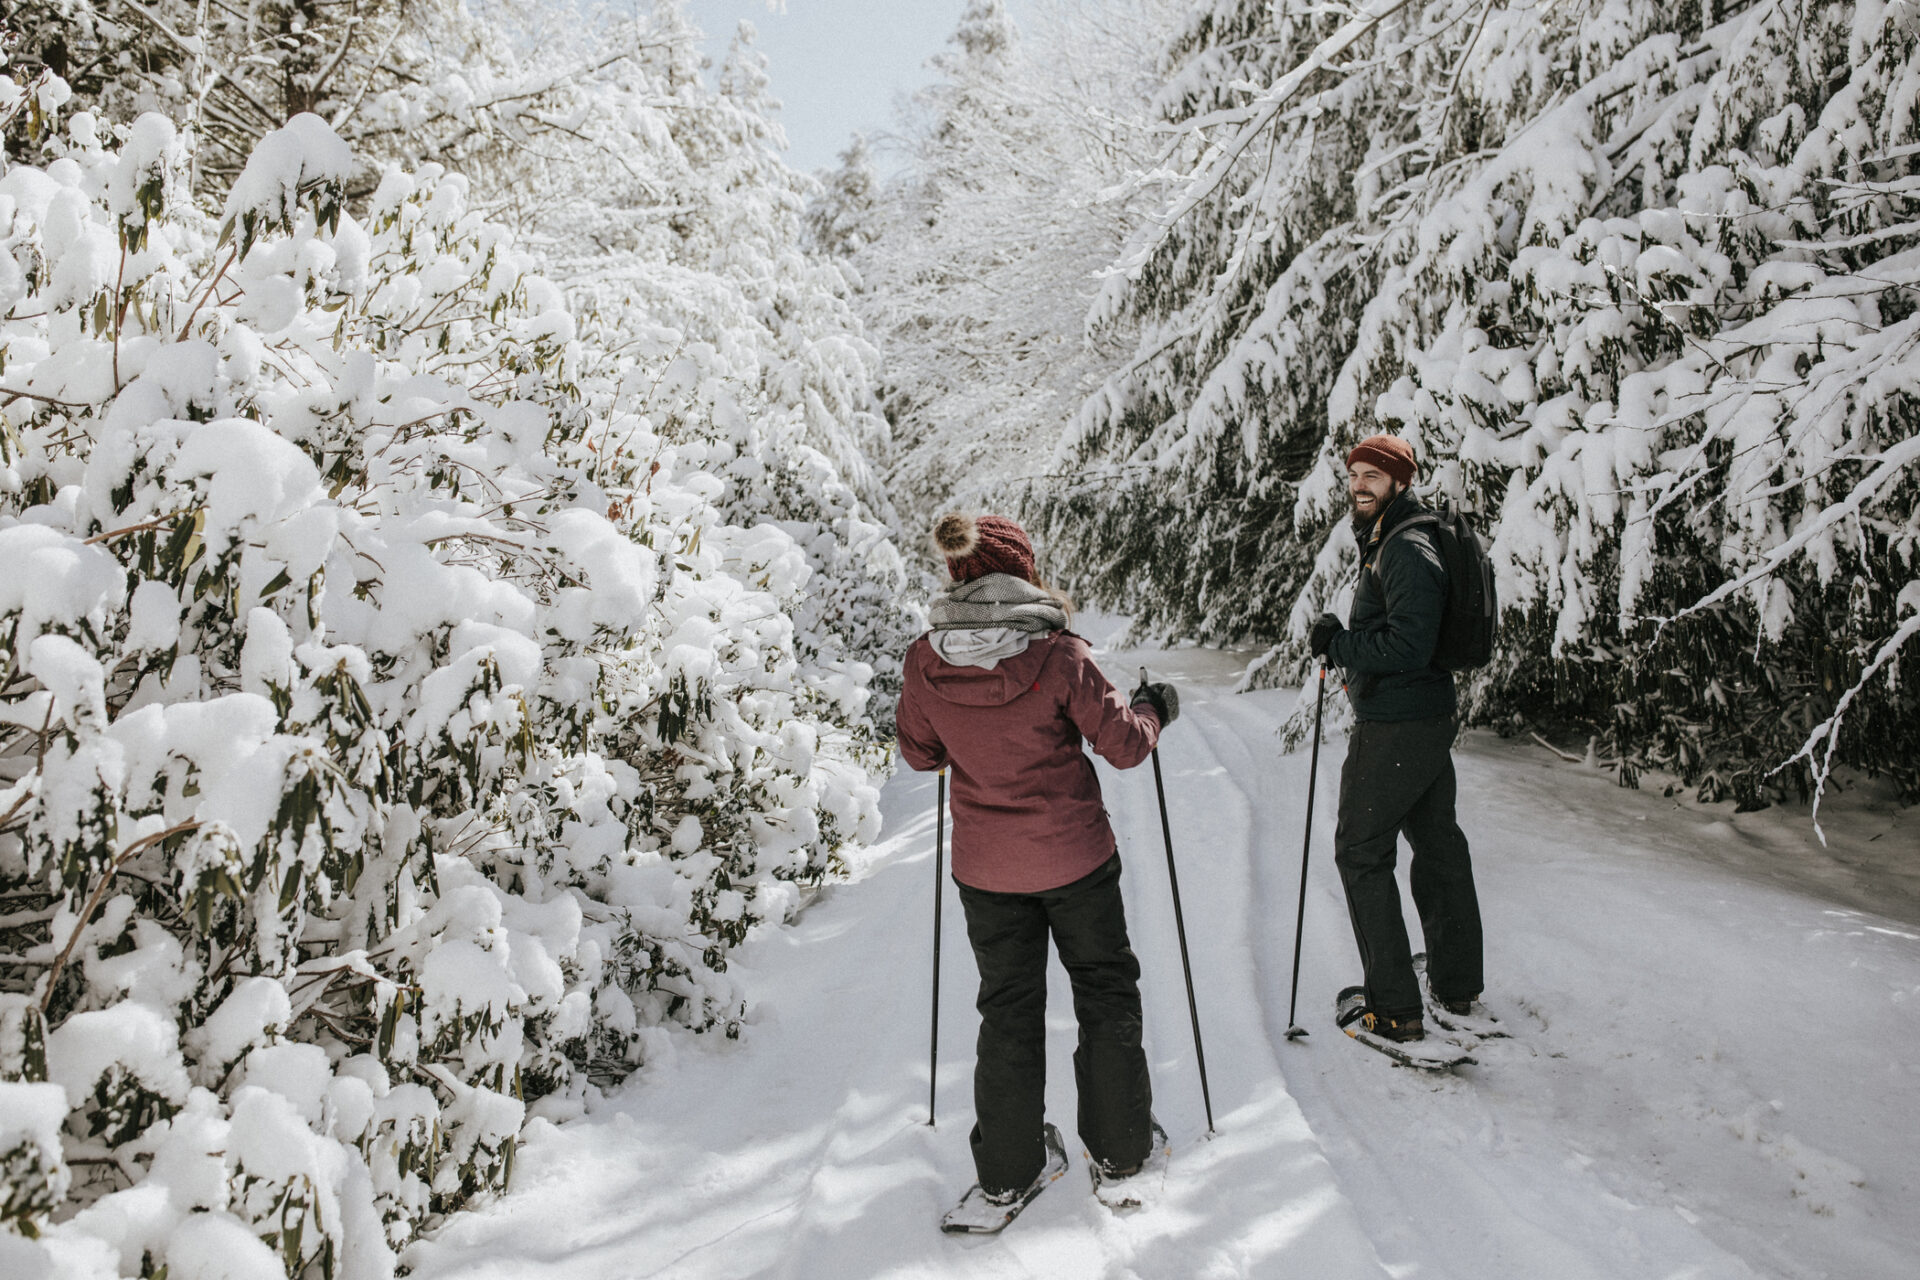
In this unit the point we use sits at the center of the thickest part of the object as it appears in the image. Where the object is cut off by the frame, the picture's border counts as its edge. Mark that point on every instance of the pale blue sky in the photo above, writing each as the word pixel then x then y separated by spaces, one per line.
pixel 837 65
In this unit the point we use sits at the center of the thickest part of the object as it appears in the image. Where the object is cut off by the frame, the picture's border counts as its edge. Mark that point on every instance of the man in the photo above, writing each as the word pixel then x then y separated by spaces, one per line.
pixel 1399 771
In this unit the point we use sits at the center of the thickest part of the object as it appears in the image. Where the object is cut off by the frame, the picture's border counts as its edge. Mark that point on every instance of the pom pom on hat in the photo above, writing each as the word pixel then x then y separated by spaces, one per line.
pixel 1389 453
pixel 956 535
pixel 975 546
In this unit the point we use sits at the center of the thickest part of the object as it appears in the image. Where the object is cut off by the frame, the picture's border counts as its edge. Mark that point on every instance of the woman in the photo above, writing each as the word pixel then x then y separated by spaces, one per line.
pixel 1001 692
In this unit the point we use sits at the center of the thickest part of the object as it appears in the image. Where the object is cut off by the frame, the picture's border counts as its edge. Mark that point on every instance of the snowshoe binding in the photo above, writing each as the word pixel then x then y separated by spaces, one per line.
pixel 981 1214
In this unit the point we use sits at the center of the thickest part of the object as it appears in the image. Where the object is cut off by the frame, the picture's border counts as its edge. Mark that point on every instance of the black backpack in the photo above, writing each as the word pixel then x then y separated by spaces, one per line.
pixel 1472 617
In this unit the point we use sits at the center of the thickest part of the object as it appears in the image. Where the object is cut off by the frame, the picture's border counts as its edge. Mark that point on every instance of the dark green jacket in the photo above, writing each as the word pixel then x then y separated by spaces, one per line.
pixel 1395 622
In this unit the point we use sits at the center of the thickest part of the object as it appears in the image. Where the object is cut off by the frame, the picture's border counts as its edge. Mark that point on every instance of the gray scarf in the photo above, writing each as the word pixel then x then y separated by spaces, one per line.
pixel 982 622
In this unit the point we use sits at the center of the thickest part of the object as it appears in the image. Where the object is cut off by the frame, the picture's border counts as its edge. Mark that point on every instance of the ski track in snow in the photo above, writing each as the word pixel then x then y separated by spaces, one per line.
pixel 1711 1074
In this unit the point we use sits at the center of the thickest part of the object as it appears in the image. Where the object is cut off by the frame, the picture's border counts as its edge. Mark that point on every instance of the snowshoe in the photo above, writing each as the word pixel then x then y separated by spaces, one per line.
pixel 1360 1023
pixel 1123 1191
pixel 980 1214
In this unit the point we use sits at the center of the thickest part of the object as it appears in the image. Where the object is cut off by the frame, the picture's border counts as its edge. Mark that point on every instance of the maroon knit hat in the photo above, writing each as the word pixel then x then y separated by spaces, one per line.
pixel 1389 453
pixel 977 546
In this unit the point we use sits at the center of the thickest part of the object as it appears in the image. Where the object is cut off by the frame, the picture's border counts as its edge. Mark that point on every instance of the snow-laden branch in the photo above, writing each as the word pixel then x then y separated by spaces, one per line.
pixel 1259 114
pixel 1893 463
pixel 1828 730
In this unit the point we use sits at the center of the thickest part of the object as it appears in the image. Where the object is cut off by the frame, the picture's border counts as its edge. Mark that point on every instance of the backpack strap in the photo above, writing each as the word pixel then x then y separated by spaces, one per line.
pixel 1412 521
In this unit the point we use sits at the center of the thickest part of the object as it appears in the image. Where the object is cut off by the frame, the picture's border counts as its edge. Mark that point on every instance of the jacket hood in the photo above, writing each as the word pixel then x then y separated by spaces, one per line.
pixel 977 686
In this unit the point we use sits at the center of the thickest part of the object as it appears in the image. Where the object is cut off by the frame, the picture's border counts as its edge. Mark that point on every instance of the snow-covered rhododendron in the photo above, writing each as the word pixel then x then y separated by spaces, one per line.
pixel 714 327
pixel 400 80
pixel 396 731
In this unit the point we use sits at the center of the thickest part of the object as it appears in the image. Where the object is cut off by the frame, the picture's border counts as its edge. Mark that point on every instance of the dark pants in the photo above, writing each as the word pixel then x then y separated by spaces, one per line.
pixel 1009 936
pixel 1399 778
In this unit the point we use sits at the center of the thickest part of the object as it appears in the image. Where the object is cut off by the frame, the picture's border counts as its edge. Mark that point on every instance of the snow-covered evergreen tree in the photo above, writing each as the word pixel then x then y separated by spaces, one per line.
pixel 843 217
pixel 989 246
pixel 1632 279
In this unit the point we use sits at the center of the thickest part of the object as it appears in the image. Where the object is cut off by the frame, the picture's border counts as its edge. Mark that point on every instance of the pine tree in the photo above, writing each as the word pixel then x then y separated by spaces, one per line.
pixel 1626 278
pixel 843 218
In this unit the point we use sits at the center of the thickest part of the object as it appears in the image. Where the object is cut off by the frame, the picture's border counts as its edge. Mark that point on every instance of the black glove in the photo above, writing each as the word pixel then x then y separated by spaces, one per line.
pixel 1163 698
pixel 1321 634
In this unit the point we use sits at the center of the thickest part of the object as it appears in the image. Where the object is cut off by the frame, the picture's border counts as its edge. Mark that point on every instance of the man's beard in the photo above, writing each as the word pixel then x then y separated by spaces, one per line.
pixel 1363 519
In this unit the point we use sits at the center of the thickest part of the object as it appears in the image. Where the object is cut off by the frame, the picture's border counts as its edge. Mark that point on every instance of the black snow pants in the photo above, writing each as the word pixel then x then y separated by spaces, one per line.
pixel 1399 778
pixel 1009 936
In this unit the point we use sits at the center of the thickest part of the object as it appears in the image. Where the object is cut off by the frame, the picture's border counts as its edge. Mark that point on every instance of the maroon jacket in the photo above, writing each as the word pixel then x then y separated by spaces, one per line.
pixel 1026 804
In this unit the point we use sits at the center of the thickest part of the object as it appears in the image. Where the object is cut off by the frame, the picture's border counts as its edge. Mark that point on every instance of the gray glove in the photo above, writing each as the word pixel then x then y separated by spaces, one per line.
pixel 1162 697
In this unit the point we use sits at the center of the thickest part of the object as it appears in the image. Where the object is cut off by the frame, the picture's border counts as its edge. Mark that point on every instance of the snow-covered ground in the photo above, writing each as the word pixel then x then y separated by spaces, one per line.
pixel 1714 1069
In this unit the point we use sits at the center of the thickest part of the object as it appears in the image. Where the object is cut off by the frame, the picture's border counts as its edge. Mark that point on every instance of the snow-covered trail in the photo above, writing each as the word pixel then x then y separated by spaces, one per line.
pixel 1714 1070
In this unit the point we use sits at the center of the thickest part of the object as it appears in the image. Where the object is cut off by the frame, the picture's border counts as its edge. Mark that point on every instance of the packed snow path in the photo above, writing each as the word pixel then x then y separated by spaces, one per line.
pixel 1714 1069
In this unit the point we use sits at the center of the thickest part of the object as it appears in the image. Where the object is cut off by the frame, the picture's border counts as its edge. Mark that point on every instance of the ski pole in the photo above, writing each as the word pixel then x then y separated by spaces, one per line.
pixel 939 879
pixel 1294 1029
pixel 1180 926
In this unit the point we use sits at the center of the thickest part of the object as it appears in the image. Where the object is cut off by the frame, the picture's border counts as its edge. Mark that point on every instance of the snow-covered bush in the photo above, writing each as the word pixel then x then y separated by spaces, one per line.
pixel 465 86
pixel 395 730
pixel 1638 283
pixel 714 326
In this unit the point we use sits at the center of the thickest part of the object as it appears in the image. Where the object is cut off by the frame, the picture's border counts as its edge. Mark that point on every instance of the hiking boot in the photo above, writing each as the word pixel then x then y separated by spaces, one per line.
pixel 1120 1186
pixel 1400 1030
pixel 1459 1007
pixel 1353 1008
pixel 1109 1171
pixel 1056 1165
